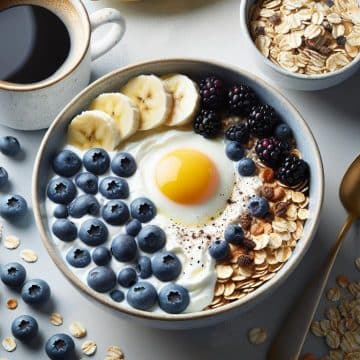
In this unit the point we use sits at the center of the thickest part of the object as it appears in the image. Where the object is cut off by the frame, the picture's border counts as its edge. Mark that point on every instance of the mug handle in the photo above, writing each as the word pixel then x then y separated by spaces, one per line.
pixel 117 31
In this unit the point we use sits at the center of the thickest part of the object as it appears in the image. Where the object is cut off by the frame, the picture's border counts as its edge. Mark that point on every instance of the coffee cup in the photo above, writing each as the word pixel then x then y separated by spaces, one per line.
pixel 55 64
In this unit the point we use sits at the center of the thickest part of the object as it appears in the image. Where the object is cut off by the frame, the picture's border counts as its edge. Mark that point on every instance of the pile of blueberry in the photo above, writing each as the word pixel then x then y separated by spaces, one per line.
pixel 11 206
pixel 35 292
pixel 93 231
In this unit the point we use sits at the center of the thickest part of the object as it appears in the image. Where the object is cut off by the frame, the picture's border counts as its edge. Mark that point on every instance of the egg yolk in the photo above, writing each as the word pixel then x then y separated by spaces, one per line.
pixel 186 176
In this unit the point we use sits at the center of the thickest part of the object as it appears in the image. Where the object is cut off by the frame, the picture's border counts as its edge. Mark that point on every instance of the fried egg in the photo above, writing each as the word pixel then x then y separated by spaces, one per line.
pixel 188 177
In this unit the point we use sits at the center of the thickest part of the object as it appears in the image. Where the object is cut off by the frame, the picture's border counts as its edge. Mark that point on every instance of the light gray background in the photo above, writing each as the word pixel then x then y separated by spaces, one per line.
pixel 207 29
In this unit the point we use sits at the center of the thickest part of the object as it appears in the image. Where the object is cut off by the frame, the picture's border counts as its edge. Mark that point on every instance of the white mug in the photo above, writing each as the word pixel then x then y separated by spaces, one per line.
pixel 34 106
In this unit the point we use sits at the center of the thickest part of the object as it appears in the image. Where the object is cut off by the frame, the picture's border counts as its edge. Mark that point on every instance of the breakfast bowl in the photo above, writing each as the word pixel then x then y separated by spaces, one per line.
pixel 202 306
pixel 324 39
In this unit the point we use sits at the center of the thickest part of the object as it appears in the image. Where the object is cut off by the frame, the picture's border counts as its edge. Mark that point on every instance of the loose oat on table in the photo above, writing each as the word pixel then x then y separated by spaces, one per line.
pixel 11 242
pixel 89 347
pixel 77 329
pixel 9 344
pixel 114 353
pixel 11 304
pixel 257 336
pixel 333 294
pixel 309 36
pixel 29 255
pixel 56 319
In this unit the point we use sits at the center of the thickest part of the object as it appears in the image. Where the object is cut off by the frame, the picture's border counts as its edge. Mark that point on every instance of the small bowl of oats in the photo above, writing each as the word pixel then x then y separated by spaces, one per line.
pixel 303 44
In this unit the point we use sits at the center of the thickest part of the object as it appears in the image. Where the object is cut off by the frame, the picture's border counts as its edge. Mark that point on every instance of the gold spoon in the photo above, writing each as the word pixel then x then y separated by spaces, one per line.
pixel 290 339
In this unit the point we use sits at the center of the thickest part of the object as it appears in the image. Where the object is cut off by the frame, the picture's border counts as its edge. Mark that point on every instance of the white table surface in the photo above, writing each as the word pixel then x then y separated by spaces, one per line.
pixel 207 29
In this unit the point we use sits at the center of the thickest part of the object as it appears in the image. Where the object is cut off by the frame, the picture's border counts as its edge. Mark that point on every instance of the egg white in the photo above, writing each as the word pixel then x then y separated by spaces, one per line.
pixel 152 149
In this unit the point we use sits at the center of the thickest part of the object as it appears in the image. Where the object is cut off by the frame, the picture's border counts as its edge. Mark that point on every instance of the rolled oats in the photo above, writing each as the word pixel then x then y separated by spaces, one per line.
pixel 89 347
pixel 77 329
pixel 11 242
pixel 9 344
pixel 114 353
pixel 333 294
pixel 29 255
pixel 56 319
pixel 12 304
pixel 316 329
pixel 342 281
pixel 257 336
pixel 332 339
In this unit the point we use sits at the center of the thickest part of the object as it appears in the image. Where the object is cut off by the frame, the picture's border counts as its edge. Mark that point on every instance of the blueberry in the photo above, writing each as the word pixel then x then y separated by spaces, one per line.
pixel 24 328
pixel 101 255
pixel 283 131
pixel 123 164
pixel 87 182
pixel 246 167
pixel 143 209
pixel 113 187
pixel 9 145
pixel 66 163
pixel 61 190
pixel 78 258
pixel 115 212
pixel 4 176
pixel 12 274
pixel 35 292
pixel 102 279
pixel 127 277
pixel 13 207
pixel 166 266
pixel 64 229
pixel 258 206
pixel 133 227
pixel 93 232
pixel 173 298
pixel 60 347
pixel 234 150
pixel 234 234
pixel 117 295
pixel 142 296
pixel 151 238
pixel 61 211
pixel 219 249
pixel 84 204
pixel 144 267
pixel 124 247
pixel 97 161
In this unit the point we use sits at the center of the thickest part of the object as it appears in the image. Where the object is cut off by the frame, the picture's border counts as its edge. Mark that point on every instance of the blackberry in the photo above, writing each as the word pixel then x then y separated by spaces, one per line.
pixel 237 132
pixel 262 120
pixel 270 151
pixel 241 99
pixel 211 93
pixel 207 123
pixel 293 171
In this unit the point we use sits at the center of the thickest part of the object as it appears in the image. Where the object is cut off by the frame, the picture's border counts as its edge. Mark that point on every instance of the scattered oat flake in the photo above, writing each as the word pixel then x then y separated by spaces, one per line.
pixel 114 353
pixel 11 304
pixel 77 329
pixel 9 344
pixel 11 242
pixel 28 255
pixel 333 294
pixel 89 347
pixel 56 319
pixel 333 339
pixel 224 271
pixel 316 329
pixel 257 336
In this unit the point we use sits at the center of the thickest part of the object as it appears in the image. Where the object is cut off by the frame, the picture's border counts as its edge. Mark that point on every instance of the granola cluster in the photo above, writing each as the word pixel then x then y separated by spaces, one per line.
pixel 269 242
pixel 307 36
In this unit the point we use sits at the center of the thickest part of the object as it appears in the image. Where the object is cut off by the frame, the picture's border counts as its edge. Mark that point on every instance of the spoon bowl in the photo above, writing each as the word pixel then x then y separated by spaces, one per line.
pixel 350 189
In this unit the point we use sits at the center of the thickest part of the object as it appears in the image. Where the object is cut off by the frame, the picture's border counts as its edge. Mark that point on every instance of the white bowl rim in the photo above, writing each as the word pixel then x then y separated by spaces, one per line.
pixel 246 33
pixel 163 317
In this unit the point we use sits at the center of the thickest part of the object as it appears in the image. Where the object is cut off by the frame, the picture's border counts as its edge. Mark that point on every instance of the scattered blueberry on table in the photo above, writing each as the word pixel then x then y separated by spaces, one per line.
pixel 13 274
pixel 9 145
pixel 24 328
pixel 35 292
pixel 13 207
pixel 60 347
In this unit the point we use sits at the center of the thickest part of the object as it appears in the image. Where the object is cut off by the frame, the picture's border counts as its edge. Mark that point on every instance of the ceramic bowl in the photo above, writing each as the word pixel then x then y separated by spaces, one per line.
pixel 54 138
pixel 282 77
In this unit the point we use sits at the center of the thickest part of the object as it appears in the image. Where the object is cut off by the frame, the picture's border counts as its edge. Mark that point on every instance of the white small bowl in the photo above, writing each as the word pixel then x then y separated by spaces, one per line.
pixel 286 78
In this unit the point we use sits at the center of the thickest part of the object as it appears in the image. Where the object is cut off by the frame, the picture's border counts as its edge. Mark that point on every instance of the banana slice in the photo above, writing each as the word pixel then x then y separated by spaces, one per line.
pixel 93 128
pixel 153 100
pixel 122 109
pixel 186 99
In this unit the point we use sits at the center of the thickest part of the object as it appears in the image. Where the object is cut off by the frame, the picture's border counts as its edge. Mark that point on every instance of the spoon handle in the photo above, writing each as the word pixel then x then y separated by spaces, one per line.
pixel 290 339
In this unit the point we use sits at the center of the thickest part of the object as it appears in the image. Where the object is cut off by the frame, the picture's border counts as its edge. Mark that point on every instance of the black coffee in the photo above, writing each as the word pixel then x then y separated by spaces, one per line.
pixel 34 43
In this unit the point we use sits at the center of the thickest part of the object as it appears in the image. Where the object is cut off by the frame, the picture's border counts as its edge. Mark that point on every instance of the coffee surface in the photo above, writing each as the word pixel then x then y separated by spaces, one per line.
pixel 34 41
